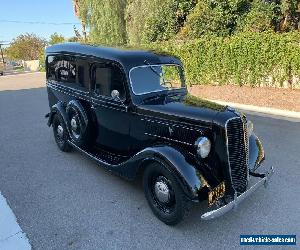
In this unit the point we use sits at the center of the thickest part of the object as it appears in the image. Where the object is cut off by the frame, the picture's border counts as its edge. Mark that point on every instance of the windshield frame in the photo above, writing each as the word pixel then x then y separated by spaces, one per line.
pixel 182 77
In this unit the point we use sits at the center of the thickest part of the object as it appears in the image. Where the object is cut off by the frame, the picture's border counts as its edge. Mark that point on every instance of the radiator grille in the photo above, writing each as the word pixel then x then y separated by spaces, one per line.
pixel 238 153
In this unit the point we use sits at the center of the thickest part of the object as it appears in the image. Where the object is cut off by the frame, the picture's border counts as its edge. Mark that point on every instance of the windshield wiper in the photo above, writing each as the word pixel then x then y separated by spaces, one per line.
pixel 158 74
pixel 152 68
pixel 151 98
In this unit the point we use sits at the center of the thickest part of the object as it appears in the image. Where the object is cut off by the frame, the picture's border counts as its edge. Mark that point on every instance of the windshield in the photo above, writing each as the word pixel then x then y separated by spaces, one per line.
pixel 154 78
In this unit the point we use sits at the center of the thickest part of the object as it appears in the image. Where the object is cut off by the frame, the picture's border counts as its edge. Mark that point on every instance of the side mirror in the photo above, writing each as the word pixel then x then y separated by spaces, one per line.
pixel 116 95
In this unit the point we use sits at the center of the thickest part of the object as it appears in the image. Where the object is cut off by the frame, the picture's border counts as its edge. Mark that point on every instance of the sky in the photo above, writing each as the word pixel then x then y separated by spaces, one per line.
pixel 47 11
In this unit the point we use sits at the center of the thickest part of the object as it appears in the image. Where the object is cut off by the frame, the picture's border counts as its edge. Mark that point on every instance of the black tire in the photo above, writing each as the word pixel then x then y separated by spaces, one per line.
pixel 60 133
pixel 170 212
pixel 80 132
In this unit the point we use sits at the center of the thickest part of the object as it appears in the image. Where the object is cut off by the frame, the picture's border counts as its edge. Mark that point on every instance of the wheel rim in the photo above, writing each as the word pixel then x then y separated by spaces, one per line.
pixel 75 127
pixel 161 190
pixel 59 132
pixel 162 194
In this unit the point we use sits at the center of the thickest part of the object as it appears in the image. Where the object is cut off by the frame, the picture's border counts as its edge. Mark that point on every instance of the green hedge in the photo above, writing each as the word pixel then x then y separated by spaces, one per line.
pixel 254 59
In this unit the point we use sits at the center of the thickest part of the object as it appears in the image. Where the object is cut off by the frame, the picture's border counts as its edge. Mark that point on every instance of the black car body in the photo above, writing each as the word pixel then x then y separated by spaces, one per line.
pixel 117 107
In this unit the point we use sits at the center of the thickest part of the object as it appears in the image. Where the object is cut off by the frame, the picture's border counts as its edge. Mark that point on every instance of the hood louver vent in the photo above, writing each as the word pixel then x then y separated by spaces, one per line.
pixel 172 132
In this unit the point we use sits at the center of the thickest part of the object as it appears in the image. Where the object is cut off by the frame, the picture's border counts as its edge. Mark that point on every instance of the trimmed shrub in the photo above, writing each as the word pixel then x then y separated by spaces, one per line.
pixel 255 59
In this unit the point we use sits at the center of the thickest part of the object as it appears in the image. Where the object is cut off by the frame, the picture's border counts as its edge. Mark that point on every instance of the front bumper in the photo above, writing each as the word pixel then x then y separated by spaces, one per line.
pixel 238 199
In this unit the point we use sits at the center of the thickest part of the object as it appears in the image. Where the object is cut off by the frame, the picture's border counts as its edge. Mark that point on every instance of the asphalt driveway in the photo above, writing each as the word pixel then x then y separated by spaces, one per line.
pixel 65 201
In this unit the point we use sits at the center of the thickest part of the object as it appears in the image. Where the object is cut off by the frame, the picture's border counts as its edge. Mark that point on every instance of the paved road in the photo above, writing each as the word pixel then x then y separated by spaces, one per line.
pixel 65 201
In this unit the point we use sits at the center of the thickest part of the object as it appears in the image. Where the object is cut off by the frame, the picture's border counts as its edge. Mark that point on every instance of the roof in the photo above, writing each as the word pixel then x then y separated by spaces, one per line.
pixel 127 58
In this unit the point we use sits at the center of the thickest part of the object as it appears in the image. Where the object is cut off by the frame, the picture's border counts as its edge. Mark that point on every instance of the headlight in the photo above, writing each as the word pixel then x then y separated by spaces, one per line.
pixel 249 127
pixel 203 145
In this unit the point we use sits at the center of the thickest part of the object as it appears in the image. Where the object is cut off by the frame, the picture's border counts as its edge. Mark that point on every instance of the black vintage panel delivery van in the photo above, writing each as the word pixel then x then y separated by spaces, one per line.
pixel 131 112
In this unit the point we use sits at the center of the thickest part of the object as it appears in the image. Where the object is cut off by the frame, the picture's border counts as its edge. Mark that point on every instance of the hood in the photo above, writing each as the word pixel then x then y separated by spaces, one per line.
pixel 190 109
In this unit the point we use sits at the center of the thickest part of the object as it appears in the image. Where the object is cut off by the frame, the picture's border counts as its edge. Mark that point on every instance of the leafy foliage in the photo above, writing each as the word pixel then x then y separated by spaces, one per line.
pixel 215 17
pixel 105 20
pixel 250 58
pixel 156 20
pixel 56 38
pixel 249 42
pixel 261 17
pixel 26 47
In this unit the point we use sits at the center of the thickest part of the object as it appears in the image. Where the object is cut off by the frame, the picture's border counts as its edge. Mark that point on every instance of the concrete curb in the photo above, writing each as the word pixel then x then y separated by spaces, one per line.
pixel 265 110
pixel 20 73
pixel 11 234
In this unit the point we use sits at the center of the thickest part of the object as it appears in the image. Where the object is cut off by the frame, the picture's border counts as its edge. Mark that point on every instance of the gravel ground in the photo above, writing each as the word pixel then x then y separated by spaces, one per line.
pixel 287 99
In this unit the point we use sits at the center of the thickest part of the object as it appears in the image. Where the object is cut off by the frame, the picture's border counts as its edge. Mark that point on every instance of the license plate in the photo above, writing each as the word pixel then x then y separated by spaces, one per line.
pixel 216 194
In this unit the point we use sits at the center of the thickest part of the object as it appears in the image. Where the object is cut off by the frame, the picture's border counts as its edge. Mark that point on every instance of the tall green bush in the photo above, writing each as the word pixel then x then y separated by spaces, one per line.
pixel 253 59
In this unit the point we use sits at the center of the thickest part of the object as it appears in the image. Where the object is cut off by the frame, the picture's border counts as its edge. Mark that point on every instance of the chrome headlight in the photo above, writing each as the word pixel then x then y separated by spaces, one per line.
pixel 250 127
pixel 203 145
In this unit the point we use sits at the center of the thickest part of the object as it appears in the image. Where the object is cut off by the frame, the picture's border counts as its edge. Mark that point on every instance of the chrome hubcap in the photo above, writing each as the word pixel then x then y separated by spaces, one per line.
pixel 60 131
pixel 162 191
pixel 74 123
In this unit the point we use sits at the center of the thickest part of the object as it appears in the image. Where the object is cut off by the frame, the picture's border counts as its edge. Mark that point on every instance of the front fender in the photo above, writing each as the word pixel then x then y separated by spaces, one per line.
pixel 256 152
pixel 183 168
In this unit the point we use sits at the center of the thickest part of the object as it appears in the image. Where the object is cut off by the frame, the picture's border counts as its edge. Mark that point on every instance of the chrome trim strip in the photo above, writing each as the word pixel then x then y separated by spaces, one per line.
pixel 180 123
pixel 65 91
pixel 238 199
pixel 174 124
pixel 170 139
pixel 62 86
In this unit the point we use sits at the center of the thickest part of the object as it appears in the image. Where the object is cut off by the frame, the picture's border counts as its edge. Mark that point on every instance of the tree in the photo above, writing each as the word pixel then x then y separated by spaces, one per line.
pixel 26 47
pixel 261 17
pixel 215 17
pixel 156 20
pixel 290 15
pixel 56 38
pixel 104 19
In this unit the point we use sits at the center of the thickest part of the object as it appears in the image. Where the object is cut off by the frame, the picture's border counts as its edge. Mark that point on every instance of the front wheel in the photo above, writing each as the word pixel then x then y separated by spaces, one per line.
pixel 164 195
pixel 60 133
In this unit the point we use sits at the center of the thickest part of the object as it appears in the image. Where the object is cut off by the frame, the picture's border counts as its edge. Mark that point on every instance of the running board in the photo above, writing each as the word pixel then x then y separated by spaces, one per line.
pixel 101 156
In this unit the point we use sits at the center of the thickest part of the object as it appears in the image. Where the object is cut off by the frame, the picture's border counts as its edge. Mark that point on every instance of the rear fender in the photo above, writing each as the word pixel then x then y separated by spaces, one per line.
pixel 58 108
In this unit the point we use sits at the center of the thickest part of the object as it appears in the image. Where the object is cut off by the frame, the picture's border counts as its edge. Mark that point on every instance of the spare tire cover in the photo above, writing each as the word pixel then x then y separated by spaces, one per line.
pixel 78 123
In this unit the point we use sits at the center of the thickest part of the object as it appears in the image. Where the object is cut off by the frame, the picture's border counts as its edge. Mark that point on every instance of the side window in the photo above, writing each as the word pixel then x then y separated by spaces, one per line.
pixel 83 68
pixel 68 70
pixel 108 78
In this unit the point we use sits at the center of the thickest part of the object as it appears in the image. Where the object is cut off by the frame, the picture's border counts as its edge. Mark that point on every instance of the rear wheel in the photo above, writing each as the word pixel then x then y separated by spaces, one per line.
pixel 60 133
pixel 164 195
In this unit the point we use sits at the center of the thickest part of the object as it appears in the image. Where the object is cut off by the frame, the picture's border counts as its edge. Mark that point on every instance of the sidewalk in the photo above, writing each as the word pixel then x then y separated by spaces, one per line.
pixel 264 110
pixel 11 235
pixel 265 97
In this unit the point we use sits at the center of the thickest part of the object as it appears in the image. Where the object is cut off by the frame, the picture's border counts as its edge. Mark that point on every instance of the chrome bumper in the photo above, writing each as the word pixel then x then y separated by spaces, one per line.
pixel 238 199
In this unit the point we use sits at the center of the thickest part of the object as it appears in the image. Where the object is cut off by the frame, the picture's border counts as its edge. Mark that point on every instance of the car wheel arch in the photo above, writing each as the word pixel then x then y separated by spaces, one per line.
pixel 185 173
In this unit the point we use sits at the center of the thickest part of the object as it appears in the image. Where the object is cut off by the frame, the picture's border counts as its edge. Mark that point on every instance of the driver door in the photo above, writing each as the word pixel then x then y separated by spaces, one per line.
pixel 113 122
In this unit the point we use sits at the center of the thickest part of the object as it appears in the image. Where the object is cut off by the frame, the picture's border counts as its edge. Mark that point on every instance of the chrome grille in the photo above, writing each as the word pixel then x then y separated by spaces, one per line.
pixel 237 145
pixel 246 138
